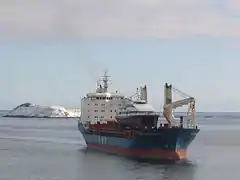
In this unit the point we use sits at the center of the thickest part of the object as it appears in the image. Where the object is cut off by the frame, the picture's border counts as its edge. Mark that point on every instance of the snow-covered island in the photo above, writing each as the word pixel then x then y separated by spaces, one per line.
pixel 29 110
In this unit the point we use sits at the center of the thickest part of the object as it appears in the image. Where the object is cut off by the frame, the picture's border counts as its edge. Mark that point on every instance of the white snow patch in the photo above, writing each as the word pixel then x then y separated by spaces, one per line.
pixel 33 110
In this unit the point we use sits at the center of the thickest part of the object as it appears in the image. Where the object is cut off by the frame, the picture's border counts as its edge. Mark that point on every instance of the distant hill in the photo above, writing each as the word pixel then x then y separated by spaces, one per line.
pixel 30 110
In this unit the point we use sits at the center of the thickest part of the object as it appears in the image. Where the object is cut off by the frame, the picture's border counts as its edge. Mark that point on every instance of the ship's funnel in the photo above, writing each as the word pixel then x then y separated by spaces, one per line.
pixel 144 93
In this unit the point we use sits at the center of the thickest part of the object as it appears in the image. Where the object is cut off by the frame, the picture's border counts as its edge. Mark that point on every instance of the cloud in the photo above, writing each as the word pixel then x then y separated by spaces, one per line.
pixel 27 19
pixel 233 7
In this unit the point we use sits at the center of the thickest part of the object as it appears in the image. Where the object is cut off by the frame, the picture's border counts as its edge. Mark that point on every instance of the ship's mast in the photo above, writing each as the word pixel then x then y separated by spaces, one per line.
pixel 105 81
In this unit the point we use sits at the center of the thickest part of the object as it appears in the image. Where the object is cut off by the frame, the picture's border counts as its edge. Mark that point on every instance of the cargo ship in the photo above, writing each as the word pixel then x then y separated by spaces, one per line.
pixel 130 126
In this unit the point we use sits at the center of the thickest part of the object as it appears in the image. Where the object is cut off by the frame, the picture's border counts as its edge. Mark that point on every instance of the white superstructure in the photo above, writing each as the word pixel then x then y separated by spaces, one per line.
pixel 103 105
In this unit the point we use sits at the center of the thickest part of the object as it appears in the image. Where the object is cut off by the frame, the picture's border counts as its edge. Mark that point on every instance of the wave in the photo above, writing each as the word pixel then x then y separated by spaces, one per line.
pixel 78 141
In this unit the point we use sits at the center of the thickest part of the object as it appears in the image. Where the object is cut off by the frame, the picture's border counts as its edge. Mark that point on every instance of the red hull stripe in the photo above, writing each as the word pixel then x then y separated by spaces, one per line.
pixel 142 153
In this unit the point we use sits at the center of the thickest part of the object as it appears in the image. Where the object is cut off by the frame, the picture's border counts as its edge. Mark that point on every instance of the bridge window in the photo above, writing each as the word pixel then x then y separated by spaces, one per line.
pixel 102 110
pixel 96 104
pixel 95 110
pixel 96 117
pixel 102 104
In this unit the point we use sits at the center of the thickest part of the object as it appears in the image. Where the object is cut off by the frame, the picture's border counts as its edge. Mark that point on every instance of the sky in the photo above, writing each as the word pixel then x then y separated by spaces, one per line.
pixel 53 52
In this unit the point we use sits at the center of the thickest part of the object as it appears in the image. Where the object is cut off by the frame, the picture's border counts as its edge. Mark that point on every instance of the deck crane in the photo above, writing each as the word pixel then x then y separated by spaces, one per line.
pixel 169 105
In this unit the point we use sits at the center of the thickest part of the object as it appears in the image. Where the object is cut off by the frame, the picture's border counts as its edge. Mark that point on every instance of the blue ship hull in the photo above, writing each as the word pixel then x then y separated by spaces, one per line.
pixel 163 143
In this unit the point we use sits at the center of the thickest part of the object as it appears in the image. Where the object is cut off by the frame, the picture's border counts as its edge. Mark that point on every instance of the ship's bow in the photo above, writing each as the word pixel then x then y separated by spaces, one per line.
pixel 167 144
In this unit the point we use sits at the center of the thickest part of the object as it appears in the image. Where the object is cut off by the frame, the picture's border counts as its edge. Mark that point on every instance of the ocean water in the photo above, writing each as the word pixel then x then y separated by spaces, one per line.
pixel 51 149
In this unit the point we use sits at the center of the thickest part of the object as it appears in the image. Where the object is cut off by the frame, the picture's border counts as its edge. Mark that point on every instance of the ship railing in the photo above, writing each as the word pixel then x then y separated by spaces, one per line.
pixel 138 113
pixel 187 123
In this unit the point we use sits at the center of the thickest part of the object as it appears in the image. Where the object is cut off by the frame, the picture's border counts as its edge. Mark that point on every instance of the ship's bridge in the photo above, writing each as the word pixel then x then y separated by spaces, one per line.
pixel 101 106
pixel 104 96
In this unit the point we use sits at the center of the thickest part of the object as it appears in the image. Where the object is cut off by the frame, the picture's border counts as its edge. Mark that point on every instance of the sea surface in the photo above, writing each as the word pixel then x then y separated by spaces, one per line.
pixel 51 149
